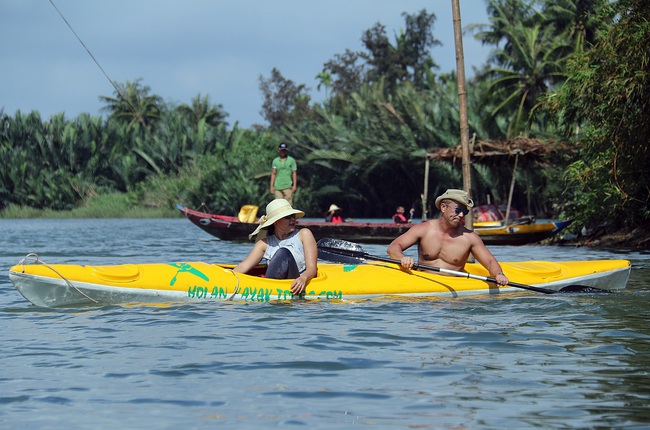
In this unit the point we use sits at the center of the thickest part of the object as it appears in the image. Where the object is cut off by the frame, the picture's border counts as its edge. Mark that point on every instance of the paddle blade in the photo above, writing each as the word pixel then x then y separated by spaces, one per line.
pixel 338 257
pixel 339 244
pixel 582 289
pixel 340 251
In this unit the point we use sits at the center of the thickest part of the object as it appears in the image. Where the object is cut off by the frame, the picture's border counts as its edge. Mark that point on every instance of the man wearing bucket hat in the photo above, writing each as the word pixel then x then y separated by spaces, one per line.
pixel 284 175
pixel 445 242
pixel 291 253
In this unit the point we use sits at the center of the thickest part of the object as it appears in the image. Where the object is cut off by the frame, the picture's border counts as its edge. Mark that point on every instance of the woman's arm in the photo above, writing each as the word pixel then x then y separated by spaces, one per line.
pixel 253 258
pixel 311 257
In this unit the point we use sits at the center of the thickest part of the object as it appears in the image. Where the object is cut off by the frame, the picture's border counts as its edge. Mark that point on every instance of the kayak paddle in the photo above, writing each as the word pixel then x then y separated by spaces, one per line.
pixel 342 251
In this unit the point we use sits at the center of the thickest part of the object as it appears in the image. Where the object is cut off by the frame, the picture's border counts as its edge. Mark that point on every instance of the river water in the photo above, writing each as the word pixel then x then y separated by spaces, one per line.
pixel 511 361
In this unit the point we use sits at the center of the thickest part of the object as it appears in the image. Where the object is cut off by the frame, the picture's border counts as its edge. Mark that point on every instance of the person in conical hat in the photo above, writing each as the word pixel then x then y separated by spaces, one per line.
pixel 333 214
pixel 445 242
pixel 291 253
pixel 333 208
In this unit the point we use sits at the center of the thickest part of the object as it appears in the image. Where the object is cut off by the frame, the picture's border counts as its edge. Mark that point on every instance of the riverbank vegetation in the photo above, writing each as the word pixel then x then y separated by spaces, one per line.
pixel 569 75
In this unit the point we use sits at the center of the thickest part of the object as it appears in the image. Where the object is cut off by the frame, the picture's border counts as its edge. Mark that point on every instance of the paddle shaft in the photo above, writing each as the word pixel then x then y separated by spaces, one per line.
pixel 469 275
pixel 346 252
pixel 364 255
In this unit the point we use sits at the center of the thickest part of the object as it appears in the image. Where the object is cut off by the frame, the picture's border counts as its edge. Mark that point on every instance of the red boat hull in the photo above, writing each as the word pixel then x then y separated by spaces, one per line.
pixel 230 228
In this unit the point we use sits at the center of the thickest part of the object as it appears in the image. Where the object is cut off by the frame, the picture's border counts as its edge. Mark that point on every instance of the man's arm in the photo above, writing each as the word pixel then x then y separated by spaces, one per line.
pixel 397 247
pixel 488 260
pixel 294 177
pixel 274 171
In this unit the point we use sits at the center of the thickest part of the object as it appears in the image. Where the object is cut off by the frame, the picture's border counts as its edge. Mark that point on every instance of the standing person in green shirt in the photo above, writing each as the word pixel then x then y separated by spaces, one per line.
pixel 284 176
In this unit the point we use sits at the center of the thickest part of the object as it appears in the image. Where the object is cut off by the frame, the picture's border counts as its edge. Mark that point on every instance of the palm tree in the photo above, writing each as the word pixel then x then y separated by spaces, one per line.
pixel 530 66
pixel 324 80
pixel 532 48
pixel 133 104
pixel 504 14
pixel 200 116
pixel 578 20
pixel 202 112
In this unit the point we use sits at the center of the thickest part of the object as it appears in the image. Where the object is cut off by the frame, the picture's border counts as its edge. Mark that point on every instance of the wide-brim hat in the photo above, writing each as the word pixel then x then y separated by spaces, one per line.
pixel 333 208
pixel 458 196
pixel 278 208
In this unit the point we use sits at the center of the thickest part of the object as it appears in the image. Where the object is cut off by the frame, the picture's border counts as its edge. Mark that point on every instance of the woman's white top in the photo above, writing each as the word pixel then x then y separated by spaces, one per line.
pixel 292 243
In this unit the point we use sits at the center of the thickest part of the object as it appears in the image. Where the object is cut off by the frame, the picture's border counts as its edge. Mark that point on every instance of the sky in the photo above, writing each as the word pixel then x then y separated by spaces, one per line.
pixel 182 48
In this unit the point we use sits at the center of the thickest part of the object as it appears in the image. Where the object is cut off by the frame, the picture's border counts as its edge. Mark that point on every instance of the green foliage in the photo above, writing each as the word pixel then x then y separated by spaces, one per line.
pixel 606 100
pixel 364 147
pixel 60 163
pixel 373 145
pixel 407 59
pixel 110 205
pixel 528 62
pixel 284 101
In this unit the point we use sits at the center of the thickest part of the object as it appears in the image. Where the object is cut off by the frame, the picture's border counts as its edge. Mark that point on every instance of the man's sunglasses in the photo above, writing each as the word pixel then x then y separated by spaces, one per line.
pixel 458 210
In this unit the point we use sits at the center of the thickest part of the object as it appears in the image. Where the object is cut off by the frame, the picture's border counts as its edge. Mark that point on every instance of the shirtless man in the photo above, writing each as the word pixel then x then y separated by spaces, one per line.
pixel 445 242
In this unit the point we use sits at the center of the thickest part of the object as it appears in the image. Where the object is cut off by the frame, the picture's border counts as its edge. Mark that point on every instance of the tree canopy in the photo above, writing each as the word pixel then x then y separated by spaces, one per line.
pixel 568 74
pixel 604 108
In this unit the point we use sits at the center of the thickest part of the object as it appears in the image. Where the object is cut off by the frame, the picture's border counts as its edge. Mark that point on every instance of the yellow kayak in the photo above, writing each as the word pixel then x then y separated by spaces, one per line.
pixel 74 285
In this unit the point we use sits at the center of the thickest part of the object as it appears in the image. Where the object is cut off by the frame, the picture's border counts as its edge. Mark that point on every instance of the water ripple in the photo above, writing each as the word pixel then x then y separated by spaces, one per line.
pixel 521 360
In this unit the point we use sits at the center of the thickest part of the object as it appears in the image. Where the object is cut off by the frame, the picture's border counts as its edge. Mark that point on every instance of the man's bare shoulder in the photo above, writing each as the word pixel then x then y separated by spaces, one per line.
pixel 473 237
pixel 465 230
pixel 428 223
pixel 424 226
pixel 414 234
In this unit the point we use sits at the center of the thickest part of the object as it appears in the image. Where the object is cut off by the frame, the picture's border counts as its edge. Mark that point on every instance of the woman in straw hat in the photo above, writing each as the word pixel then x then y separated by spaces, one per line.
pixel 290 252
pixel 333 214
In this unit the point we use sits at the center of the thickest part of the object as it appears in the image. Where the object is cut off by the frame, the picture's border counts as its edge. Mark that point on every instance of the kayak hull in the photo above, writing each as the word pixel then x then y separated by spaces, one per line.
pixel 66 285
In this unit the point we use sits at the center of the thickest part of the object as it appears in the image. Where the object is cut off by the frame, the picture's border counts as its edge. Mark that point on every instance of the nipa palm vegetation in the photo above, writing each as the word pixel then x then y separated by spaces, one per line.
pixel 569 70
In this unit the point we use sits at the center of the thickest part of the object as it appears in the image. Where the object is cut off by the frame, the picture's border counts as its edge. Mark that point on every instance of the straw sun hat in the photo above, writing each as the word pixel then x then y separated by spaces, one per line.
pixel 278 208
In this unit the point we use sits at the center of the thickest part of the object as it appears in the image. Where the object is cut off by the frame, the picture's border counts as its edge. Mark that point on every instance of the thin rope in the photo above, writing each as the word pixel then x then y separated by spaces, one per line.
pixel 117 88
pixel 236 285
pixel 86 48
pixel 38 260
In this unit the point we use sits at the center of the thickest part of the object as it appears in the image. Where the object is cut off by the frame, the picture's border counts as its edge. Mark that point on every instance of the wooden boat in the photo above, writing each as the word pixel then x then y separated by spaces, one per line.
pixel 495 233
pixel 494 212
pixel 232 228
pixel 66 285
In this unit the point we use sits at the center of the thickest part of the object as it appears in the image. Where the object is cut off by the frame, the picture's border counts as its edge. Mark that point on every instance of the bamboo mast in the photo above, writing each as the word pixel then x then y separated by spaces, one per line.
pixel 426 187
pixel 512 189
pixel 462 105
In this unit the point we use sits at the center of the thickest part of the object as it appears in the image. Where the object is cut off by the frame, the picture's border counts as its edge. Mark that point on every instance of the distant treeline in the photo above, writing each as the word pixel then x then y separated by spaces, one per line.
pixel 573 72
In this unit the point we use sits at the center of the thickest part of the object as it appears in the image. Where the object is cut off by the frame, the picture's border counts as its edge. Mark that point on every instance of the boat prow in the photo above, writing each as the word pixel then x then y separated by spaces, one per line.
pixel 519 234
